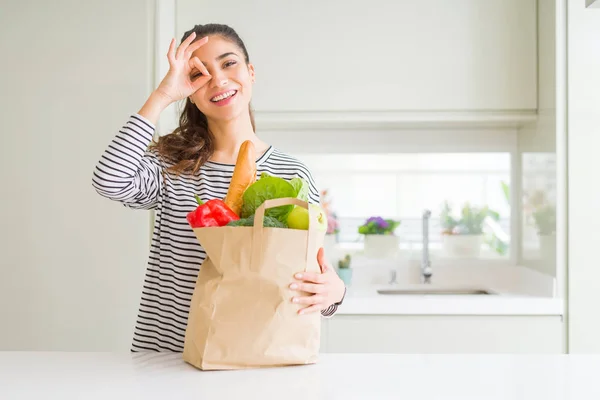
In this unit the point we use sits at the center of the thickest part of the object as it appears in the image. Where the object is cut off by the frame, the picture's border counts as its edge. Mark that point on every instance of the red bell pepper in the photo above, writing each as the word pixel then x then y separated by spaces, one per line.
pixel 212 213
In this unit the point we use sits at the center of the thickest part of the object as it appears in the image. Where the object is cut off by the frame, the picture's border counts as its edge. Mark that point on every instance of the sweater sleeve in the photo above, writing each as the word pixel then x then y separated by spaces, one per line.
pixel 128 172
pixel 329 311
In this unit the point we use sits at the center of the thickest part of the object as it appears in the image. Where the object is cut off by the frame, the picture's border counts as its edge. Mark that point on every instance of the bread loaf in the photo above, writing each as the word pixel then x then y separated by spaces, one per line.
pixel 244 174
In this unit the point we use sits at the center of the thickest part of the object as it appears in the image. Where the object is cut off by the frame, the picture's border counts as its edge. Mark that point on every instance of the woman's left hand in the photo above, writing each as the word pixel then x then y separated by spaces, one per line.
pixel 324 288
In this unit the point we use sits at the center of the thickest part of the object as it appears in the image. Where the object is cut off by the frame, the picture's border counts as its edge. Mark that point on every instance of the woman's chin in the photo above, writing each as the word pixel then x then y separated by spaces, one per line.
pixel 225 115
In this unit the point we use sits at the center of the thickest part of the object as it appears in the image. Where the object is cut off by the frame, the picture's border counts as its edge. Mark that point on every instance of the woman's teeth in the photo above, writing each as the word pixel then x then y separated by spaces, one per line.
pixel 223 96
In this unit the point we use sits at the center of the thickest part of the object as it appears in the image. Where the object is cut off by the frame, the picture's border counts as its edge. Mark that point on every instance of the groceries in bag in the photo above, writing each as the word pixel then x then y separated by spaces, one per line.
pixel 241 314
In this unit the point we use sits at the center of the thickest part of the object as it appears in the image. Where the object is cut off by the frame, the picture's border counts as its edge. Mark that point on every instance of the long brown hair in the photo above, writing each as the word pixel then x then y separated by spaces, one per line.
pixel 191 144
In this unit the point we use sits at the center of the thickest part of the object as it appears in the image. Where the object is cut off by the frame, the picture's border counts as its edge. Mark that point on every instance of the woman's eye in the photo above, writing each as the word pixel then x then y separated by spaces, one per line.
pixel 229 63
pixel 197 74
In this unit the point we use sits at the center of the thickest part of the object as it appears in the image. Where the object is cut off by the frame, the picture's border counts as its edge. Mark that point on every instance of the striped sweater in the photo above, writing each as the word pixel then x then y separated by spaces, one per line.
pixel 133 174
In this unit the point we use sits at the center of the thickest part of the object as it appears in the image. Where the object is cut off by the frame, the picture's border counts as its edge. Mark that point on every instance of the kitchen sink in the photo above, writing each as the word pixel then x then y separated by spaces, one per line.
pixel 436 290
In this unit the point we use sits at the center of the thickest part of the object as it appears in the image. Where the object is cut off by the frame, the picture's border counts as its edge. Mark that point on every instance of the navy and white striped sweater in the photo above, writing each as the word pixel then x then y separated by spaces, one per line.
pixel 134 175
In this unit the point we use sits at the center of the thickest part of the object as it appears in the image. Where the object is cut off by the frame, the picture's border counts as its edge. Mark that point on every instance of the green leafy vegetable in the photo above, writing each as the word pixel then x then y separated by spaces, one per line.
pixel 268 222
pixel 301 187
pixel 271 187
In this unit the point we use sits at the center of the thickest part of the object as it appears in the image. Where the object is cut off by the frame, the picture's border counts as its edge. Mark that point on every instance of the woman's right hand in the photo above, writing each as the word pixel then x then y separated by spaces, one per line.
pixel 178 82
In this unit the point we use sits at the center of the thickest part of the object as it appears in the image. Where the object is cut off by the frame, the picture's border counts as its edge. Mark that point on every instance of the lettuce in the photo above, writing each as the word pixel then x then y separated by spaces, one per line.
pixel 301 187
pixel 268 222
pixel 271 187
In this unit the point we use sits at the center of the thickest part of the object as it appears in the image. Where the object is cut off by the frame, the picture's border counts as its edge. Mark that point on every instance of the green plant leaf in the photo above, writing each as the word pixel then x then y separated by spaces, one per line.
pixel 301 188
pixel 471 221
pixel 506 191
pixel 494 214
pixel 266 188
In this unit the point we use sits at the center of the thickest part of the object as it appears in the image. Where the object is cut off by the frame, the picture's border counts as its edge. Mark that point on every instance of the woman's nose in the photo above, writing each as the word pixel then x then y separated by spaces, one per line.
pixel 219 80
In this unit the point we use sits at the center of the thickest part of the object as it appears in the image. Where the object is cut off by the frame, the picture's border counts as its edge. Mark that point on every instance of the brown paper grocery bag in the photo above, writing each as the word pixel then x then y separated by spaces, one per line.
pixel 241 314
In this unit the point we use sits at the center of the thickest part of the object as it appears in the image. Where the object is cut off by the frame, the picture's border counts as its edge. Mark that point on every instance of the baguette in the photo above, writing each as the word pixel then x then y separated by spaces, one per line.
pixel 244 175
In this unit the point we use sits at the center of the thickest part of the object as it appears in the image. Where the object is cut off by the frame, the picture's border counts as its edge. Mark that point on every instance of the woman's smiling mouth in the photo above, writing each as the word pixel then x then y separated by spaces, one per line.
pixel 224 97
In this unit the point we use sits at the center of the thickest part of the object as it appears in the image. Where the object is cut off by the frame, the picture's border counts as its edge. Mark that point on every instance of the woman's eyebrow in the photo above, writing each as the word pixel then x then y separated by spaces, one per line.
pixel 222 56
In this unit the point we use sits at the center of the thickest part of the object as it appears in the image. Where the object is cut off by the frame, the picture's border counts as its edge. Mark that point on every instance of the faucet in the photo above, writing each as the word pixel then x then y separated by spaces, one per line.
pixel 425 262
pixel 392 280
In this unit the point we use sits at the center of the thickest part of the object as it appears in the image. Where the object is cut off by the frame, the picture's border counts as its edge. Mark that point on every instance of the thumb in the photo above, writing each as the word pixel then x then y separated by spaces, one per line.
pixel 322 261
pixel 201 80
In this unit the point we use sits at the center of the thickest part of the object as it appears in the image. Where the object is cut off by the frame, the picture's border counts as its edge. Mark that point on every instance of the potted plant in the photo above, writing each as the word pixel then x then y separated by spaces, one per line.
pixel 540 211
pixel 545 220
pixel 462 236
pixel 344 270
pixel 544 217
pixel 333 227
pixel 380 237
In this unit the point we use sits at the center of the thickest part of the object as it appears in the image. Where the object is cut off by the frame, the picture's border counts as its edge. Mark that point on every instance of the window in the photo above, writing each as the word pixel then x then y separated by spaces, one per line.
pixel 539 210
pixel 402 186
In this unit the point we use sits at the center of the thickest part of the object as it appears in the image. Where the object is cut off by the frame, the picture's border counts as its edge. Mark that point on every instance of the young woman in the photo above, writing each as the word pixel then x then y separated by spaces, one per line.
pixel 211 70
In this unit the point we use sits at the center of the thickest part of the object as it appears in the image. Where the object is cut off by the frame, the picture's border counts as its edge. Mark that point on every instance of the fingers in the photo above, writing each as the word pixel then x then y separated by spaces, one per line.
pixel 171 52
pixel 201 67
pixel 201 80
pixel 185 50
pixel 313 308
pixel 314 302
pixel 314 277
pixel 195 46
pixel 310 300
pixel 323 263
pixel 309 287
pixel 315 283
pixel 181 50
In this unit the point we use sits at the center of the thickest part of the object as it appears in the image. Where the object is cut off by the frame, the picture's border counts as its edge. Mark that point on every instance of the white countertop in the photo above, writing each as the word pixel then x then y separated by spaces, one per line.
pixel 368 301
pixel 65 376
pixel 518 290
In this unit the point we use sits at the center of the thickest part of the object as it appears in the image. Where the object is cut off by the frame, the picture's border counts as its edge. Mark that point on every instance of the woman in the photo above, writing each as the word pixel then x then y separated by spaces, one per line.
pixel 211 70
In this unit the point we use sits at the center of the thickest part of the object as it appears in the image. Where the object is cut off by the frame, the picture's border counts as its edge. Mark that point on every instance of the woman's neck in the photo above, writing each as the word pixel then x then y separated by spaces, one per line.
pixel 229 136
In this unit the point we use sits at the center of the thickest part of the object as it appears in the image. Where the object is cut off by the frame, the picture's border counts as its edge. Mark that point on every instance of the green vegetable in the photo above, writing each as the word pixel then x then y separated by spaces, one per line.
pixel 271 187
pixel 301 187
pixel 268 222
pixel 345 262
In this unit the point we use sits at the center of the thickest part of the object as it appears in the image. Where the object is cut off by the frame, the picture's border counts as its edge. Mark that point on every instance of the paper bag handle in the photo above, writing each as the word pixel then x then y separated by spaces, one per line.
pixel 258 229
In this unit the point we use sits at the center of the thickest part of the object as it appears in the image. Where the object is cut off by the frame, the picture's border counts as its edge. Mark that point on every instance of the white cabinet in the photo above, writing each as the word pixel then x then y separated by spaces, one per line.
pixel 442 334
pixel 381 55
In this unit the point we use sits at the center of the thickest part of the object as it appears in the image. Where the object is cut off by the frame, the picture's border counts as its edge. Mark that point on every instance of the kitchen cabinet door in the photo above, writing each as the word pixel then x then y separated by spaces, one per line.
pixel 405 55
pixel 442 334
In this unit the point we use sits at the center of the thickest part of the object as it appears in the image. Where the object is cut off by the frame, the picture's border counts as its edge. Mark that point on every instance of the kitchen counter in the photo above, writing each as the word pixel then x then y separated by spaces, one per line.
pixel 366 301
pixel 65 376
pixel 518 290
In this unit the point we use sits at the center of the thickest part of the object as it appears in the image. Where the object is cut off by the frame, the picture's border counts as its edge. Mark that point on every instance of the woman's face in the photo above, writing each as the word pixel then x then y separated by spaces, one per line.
pixel 229 91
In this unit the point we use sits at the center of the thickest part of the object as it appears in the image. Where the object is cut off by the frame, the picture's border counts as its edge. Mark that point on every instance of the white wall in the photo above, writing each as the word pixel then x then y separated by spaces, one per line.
pixel 383 55
pixel 72 262
pixel 584 191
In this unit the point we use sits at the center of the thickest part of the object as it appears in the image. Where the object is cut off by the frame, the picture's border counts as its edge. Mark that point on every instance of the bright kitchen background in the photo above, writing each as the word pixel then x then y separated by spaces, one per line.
pixel 401 186
pixel 393 122
pixel 395 106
